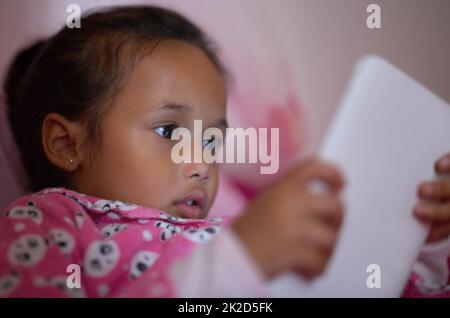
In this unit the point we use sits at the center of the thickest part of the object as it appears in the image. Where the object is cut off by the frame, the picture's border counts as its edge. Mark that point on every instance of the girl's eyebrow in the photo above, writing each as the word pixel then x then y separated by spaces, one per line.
pixel 221 123
pixel 173 107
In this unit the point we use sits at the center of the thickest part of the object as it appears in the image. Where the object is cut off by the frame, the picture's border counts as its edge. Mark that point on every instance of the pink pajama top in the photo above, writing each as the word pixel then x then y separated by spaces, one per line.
pixel 52 239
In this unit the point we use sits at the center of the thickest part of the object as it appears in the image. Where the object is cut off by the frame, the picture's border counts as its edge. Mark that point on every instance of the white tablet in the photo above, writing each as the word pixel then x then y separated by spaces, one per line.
pixel 385 137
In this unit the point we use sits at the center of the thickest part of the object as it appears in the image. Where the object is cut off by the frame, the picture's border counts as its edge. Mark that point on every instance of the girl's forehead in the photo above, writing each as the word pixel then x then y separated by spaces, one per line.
pixel 176 72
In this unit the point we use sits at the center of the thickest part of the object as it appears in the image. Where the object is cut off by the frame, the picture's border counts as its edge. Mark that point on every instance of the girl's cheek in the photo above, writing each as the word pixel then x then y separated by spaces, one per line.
pixel 215 173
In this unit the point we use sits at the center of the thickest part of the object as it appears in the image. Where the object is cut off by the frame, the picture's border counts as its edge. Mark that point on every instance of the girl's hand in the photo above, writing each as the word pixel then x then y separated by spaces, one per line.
pixel 289 228
pixel 435 204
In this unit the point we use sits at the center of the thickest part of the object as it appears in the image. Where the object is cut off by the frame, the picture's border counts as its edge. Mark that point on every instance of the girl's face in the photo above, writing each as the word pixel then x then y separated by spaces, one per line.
pixel 171 88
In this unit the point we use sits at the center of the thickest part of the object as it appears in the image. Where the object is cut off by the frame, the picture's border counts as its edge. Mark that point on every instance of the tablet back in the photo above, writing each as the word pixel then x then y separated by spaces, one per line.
pixel 386 136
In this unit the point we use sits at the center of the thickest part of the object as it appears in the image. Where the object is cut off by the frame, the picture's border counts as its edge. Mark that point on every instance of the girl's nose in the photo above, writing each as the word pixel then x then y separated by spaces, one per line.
pixel 196 170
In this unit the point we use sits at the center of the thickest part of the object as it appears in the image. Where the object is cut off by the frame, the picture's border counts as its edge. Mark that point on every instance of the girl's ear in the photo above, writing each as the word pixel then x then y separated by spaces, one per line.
pixel 62 141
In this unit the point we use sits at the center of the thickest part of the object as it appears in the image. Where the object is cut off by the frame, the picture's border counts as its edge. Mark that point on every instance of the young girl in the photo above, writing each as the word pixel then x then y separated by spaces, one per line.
pixel 93 111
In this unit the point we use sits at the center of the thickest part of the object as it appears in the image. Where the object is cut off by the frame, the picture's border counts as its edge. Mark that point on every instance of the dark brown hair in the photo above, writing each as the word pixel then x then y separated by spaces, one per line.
pixel 78 72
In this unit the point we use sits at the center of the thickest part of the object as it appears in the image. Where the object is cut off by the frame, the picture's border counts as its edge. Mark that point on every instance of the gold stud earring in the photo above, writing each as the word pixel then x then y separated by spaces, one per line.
pixel 71 161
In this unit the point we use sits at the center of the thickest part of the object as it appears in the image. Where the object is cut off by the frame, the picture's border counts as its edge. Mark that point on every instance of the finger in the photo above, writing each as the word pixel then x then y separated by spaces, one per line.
pixel 438 233
pixel 433 212
pixel 310 262
pixel 319 236
pixel 438 190
pixel 326 206
pixel 314 169
pixel 442 166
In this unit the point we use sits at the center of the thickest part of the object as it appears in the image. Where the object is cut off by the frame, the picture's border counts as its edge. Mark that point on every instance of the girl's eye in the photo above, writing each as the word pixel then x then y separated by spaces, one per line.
pixel 212 143
pixel 209 142
pixel 165 131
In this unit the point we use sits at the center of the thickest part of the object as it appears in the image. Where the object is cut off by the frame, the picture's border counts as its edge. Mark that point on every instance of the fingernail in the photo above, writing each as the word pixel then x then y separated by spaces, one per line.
pixel 445 163
pixel 421 209
pixel 428 189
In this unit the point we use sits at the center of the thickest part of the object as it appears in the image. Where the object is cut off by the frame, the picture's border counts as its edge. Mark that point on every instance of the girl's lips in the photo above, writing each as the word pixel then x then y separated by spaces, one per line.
pixel 192 205
pixel 189 211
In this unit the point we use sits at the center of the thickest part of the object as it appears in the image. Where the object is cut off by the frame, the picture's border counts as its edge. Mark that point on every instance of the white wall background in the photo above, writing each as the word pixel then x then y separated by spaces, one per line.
pixel 319 40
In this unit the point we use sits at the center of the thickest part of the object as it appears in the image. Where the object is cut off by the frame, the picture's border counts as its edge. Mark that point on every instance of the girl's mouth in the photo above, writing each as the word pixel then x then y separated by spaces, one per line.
pixel 192 205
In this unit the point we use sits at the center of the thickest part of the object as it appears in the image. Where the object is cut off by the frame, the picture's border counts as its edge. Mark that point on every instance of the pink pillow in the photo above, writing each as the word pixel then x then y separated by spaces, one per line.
pixel 229 200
